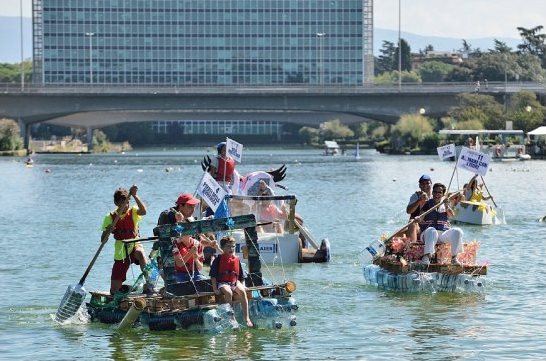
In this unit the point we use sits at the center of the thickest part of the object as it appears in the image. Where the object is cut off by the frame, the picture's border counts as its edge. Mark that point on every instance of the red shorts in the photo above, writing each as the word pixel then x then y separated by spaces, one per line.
pixel 120 267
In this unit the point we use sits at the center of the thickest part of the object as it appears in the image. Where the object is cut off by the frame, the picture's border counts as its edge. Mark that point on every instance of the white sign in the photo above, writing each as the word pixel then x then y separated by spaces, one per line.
pixel 211 191
pixel 234 149
pixel 474 161
pixel 446 151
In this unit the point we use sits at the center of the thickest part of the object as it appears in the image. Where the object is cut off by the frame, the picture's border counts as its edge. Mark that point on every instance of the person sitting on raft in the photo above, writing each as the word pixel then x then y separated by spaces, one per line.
pixel 435 227
pixel 226 275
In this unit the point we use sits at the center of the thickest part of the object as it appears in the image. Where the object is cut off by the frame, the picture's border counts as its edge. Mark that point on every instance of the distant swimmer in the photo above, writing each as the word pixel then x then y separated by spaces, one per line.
pixel 29 162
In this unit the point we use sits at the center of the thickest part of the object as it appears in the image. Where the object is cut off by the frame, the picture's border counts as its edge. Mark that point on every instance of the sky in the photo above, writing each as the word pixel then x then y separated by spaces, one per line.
pixel 462 19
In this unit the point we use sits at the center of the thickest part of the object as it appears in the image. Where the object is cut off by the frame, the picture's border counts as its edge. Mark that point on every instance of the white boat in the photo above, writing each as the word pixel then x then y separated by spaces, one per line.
pixel 479 213
pixel 500 145
pixel 331 148
pixel 281 236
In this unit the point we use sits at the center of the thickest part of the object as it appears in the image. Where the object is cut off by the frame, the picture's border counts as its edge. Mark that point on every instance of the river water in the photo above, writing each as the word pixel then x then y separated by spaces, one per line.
pixel 50 218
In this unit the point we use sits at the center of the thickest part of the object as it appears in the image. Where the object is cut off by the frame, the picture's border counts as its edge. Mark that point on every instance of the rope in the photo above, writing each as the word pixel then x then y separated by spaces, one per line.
pixel 262 259
pixel 187 270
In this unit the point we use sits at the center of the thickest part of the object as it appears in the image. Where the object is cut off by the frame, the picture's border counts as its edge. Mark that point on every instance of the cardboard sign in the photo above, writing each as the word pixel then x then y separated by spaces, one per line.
pixel 211 191
pixel 474 161
pixel 234 150
pixel 446 151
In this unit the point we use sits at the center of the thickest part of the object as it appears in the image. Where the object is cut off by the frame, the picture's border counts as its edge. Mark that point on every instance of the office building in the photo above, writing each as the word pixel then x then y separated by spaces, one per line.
pixel 203 42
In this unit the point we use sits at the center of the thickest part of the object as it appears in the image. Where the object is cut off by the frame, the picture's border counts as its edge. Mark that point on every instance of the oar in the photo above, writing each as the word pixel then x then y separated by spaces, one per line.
pixel 373 251
pixel 387 241
pixel 306 233
pixel 500 212
pixel 75 294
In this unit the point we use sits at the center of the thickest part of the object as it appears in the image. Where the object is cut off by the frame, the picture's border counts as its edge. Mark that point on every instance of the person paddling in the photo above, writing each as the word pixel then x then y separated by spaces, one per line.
pixel 125 228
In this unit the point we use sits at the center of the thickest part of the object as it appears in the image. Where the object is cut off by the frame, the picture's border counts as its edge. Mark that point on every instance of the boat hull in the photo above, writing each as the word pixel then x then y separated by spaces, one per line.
pixel 286 248
pixel 478 213
pixel 200 312
pixel 423 281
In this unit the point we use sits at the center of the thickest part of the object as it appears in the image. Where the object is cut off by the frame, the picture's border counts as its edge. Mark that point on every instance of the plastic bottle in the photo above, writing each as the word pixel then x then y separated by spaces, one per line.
pixel 375 250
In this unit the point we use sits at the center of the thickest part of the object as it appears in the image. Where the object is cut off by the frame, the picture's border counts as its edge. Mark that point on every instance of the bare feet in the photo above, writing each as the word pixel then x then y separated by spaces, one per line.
pixel 249 323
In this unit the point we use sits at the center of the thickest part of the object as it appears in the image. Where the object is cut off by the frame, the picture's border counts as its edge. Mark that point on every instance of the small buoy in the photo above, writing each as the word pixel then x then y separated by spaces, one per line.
pixel 394 179
pixel 47 170
pixel 432 169
pixel 140 170
pixel 115 160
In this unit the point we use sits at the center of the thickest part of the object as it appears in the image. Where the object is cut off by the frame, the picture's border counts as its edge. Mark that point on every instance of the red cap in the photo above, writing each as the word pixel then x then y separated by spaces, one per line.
pixel 187 198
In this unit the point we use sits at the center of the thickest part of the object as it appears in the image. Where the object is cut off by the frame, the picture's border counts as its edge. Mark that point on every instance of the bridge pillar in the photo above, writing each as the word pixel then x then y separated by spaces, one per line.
pixel 89 137
pixel 25 133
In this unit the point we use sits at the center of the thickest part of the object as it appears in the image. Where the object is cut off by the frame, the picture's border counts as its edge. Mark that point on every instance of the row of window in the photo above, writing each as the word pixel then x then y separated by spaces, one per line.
pixel 218 127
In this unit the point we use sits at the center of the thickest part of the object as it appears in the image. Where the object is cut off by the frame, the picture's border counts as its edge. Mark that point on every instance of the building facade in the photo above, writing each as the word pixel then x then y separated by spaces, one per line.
pixel 203 42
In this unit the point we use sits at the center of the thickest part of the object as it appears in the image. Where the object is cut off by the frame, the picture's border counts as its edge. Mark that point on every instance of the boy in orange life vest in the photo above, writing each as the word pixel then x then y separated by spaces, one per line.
pixel 125 228
pixel 226 275
pixel 222 167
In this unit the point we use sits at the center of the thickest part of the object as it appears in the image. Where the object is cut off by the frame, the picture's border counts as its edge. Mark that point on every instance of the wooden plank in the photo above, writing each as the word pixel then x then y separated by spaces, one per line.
pixel 206 225
pixel 397 267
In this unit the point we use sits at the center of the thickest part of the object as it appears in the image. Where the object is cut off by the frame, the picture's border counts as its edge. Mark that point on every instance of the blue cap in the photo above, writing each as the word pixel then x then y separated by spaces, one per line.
pixel 220 145
pixel 425 178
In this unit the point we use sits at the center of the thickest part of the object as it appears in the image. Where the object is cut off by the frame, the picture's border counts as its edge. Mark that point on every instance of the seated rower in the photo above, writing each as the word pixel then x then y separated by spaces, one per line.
pixel 435 227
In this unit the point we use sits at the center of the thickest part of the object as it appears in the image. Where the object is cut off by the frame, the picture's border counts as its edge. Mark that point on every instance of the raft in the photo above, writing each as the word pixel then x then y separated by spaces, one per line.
pixel 400 269
pixel 192 305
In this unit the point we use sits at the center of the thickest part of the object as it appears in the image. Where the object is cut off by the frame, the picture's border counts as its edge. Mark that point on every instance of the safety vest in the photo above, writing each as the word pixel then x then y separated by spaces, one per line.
pixel 188 268
pixel 229 165
pixel 125 227
pixel 435 219
pixel 228 269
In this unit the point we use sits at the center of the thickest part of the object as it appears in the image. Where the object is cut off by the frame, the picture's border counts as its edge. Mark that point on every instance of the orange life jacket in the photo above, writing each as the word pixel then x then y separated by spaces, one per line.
pixel 125 226
pixel 228 269
pixel 229 166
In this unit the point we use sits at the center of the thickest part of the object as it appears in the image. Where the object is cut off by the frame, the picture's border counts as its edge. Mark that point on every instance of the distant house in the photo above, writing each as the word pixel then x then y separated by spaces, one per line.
pixel 452 58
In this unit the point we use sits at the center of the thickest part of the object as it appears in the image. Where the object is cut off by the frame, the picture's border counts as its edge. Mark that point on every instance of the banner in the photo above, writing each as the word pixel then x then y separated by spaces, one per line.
pixel 211 191
pixel 234 149
pixel 474 161
pixel 446 151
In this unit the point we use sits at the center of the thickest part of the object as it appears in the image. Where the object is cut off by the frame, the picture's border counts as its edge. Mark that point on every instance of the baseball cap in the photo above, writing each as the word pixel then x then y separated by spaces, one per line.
pixel 187 198
pixel 425 178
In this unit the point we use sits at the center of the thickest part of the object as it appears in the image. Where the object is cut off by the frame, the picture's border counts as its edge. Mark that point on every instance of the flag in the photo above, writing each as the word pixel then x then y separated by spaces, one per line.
pixel 446 151
pixel 211 191
pixel 474 161
pixel 234 149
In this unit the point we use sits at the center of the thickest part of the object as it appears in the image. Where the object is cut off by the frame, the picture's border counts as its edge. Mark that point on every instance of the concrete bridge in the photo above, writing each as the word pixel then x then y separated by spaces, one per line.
pixel 99 105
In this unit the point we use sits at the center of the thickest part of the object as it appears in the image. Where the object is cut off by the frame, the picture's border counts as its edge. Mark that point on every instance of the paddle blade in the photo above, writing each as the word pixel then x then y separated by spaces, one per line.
pixel 499 217
pixel 71 302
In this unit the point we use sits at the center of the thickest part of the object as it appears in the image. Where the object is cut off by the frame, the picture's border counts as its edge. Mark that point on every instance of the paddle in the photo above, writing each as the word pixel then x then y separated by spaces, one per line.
pixel 75 294
pixel 500 212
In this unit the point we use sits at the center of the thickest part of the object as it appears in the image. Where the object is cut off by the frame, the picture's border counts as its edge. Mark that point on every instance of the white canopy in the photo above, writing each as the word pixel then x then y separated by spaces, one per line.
pixel 331 144
pixel 538 131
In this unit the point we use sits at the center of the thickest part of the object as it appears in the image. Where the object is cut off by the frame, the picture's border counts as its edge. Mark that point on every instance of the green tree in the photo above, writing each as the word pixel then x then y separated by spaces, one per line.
pixel 477 107
pixel 10 138
pixel 334 129
pixel 309 135
pixel 434 71
pixel 410 130
pixel 360 130
pixel 406 56
pixel 386 61
pixel 526 111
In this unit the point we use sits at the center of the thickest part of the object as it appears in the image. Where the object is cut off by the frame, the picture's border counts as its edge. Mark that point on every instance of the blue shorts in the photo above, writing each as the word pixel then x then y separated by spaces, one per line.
pixel 185 277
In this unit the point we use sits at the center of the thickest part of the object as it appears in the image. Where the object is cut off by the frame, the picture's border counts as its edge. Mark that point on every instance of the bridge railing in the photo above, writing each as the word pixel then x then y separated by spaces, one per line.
pixel 97 88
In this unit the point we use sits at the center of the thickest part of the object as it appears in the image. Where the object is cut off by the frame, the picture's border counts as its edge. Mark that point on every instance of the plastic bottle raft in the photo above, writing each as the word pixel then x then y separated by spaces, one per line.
pixel 395 267
pixel 193 305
